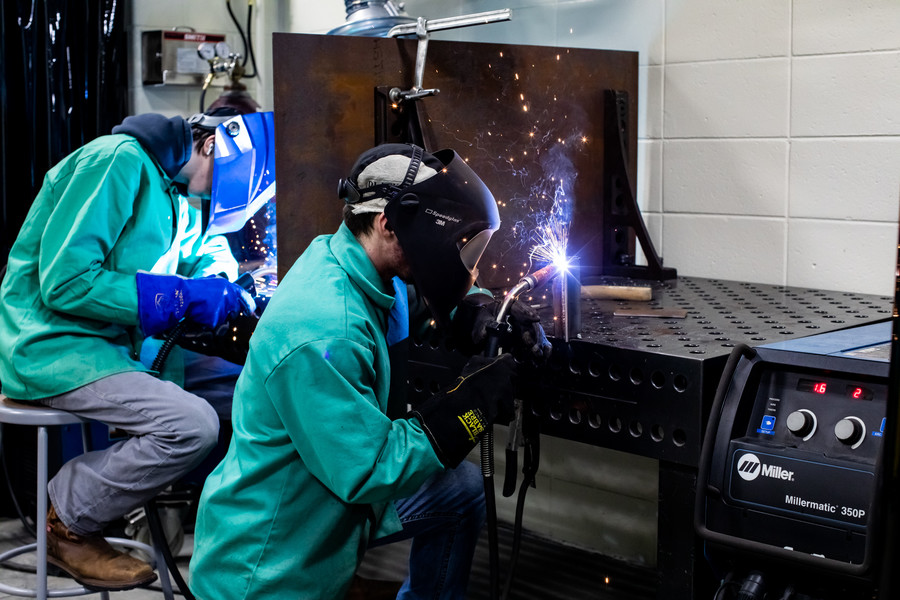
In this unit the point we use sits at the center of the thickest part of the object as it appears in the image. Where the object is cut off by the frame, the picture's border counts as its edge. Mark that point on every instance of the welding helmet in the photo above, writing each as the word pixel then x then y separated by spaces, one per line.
pixel 441 212
pixel 243 171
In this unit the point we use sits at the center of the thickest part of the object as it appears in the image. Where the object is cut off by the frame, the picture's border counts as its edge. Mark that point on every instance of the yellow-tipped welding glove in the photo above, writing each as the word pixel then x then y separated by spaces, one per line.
pixel 455 418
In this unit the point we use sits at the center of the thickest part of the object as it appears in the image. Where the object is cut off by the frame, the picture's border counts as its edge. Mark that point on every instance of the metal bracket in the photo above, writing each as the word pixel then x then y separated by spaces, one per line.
pixel 422 28
pixel 621 212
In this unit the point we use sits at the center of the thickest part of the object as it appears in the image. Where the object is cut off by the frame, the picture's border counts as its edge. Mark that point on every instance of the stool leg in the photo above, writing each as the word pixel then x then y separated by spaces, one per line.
pixel 41 517
pixel 162 569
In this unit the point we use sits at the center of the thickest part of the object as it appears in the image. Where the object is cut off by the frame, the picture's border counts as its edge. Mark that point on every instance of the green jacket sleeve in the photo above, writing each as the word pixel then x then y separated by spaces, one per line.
pixel 89 216
pixel 214 257
pixel 323 392
pixel 201 255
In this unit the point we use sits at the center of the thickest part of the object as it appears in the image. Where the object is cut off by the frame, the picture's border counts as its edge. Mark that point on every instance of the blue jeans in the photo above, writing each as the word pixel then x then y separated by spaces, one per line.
pixel 444 519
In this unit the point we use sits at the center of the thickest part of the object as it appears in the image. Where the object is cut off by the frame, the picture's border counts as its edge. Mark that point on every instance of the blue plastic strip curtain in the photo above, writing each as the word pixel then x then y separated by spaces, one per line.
pixel 63 82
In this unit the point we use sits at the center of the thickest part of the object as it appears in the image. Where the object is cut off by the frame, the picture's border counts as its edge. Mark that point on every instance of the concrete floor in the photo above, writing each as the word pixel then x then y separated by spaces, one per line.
pixel 380 563
pixel 546 571
pixel 14 534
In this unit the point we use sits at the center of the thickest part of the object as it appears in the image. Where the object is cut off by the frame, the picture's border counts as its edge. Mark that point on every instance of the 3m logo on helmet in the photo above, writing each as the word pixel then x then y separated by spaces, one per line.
pixel 441 219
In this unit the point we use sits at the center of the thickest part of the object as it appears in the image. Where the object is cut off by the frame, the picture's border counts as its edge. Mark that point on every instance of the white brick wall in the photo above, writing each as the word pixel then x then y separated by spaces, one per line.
pixel 726 29
pixel 818 129
pixel 725 176
pixel 834 26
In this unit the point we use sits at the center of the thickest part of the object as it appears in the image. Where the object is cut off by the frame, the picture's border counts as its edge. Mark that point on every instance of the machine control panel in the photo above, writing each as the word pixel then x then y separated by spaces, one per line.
pixel 820 413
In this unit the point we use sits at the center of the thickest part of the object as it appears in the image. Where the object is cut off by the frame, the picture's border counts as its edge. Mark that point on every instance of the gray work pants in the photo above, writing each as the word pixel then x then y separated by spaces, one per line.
pixel 169 432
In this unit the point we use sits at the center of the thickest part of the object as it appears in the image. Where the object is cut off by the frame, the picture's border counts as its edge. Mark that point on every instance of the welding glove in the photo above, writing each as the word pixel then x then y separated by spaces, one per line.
pixel 163 300
pixel 521 334
pixel 455 417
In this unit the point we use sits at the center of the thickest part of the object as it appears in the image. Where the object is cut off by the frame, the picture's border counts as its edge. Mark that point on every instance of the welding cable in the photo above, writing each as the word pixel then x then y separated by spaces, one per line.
pixel 167 345
pixel 490 501
pixel 527 283
pixel 706 450
pixel 158 535
pixel 529 470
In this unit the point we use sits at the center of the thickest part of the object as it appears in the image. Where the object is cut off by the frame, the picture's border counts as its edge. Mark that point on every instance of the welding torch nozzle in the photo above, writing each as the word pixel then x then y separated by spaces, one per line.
pixel 527 283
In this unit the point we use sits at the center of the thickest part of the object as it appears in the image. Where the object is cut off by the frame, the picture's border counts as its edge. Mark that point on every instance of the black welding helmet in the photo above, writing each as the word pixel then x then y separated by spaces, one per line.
pixel 440 210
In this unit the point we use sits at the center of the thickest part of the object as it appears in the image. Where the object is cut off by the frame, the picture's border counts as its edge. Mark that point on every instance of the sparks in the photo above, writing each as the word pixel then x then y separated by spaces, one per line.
pixel 551 240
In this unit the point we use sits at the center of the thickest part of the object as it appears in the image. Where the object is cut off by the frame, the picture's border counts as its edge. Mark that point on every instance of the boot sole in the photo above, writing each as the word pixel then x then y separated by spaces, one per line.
pixel 101 585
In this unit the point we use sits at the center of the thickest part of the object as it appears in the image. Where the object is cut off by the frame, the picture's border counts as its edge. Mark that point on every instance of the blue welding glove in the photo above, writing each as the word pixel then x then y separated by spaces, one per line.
pixel 521 334
pixel 163 300
pixel 455 417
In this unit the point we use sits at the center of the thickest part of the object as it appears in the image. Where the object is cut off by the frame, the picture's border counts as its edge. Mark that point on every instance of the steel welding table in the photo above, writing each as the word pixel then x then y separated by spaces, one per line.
pixel 640 378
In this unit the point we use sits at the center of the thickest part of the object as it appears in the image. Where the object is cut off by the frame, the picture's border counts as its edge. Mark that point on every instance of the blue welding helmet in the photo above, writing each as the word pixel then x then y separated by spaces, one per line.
pixel 243 172
pixel 443 221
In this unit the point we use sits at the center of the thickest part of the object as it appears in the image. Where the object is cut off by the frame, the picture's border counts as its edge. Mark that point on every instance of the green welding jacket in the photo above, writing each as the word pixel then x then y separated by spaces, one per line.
pixel 314 464
pixel 68 302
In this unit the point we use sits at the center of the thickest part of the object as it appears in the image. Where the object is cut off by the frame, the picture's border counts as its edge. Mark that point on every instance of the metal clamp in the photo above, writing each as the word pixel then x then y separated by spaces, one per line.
pixel 421 29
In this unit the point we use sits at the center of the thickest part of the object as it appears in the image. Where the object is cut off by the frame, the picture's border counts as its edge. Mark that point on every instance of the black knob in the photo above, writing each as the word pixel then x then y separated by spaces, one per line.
pixel 849 430
pixel 801 422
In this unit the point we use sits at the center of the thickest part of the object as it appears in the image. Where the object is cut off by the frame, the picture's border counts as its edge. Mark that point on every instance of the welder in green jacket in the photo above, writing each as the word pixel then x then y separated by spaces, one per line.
pixel 316 472
pixel 112 253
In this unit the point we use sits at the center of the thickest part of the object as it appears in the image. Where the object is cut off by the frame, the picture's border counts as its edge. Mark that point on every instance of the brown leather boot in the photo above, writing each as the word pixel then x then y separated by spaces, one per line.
pixel 373 589
pixel 91 561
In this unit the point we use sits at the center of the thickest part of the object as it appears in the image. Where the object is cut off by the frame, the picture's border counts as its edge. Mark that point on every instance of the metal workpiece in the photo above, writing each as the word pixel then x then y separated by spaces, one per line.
pixel 639 376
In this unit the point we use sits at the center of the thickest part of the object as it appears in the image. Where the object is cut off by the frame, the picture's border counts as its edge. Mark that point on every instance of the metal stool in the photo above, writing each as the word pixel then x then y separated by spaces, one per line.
pixel 42 417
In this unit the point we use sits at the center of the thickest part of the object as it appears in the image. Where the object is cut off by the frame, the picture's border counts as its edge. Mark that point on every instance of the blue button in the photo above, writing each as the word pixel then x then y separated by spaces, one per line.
pixel 883 421
pixel 768 423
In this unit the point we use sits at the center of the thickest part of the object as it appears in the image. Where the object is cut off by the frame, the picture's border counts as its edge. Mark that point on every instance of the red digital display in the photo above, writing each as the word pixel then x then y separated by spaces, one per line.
pixel 808 385
pixel 856 392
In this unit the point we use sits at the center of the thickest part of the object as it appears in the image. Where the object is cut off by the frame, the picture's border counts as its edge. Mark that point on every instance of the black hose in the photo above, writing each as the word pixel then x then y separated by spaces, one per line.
pixel 167 345
pixel 247 49
pixel 487 472
pixel 530 471
pixel 490 503
pixel 250 53
pixel 159 538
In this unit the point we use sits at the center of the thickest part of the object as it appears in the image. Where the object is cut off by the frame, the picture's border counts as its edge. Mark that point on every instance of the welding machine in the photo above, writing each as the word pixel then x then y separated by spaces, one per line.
pixel 787 494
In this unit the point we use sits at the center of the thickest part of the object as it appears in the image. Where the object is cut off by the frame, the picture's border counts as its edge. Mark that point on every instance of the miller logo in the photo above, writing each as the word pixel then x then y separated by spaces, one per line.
pixel 749 468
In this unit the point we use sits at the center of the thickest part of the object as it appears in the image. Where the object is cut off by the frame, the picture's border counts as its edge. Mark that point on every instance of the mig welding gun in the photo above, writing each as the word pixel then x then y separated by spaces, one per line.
pixel 496 331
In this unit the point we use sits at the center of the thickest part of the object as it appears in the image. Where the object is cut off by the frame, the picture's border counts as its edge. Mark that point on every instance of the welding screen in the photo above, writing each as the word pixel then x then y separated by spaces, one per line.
pixel 528 119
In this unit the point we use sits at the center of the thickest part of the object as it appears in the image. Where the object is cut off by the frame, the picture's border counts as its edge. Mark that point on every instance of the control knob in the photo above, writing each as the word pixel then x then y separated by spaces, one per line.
pixel 850 431
pixel 802 423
